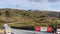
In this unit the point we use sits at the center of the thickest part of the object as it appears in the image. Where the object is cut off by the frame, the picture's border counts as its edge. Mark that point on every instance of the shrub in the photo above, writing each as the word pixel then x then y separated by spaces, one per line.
pixel 7 13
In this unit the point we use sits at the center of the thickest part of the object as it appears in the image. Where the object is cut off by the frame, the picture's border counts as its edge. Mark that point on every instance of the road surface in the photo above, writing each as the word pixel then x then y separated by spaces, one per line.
pixel 19 31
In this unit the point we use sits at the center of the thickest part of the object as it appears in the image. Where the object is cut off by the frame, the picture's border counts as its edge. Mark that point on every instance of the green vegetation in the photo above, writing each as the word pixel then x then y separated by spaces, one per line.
pixel 7 13
pixel 29 18
pixel 0 14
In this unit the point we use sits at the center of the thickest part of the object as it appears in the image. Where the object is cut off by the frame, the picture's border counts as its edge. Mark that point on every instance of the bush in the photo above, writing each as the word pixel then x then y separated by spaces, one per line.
pixel 27 27
pixel 7 13
pixel 0 14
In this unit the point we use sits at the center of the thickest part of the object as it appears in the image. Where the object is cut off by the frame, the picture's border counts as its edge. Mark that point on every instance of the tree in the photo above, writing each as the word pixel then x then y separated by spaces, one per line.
pixel 42 15
pixel 0 14
pixel 7 13
pixel 52 14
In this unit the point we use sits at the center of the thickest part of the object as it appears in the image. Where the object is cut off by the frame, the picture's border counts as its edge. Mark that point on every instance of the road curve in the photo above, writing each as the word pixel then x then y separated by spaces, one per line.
pixel 19 31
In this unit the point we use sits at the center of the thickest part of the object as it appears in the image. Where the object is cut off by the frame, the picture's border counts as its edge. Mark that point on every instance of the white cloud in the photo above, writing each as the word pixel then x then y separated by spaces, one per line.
pixel 29 4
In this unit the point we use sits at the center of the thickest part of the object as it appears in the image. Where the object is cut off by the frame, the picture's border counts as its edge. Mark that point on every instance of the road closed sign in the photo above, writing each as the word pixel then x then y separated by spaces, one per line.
pixel 37 28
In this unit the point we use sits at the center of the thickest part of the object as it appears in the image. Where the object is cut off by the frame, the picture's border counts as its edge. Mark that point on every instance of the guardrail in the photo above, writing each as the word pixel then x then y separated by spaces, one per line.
pixel 46 29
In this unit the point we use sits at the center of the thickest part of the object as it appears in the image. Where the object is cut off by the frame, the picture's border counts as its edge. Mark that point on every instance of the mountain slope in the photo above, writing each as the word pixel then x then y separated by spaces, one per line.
pixel 28 17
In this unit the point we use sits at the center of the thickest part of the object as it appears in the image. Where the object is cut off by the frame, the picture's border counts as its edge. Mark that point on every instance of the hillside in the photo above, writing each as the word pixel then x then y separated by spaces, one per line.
pixel 28 17
pixel 15 15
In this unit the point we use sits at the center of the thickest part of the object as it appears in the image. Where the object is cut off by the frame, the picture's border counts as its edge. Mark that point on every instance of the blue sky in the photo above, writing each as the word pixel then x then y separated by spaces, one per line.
pixel 31 4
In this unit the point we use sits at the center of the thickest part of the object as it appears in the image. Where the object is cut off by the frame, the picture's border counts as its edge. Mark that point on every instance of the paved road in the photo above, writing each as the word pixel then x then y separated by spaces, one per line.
pixel 19 31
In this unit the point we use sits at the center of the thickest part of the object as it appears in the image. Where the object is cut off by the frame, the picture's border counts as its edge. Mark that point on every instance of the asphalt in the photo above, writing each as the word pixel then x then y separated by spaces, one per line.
pixel 19 31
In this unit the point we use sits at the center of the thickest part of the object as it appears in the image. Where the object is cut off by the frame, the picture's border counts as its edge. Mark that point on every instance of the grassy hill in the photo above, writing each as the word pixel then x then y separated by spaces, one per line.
pixel 29 18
